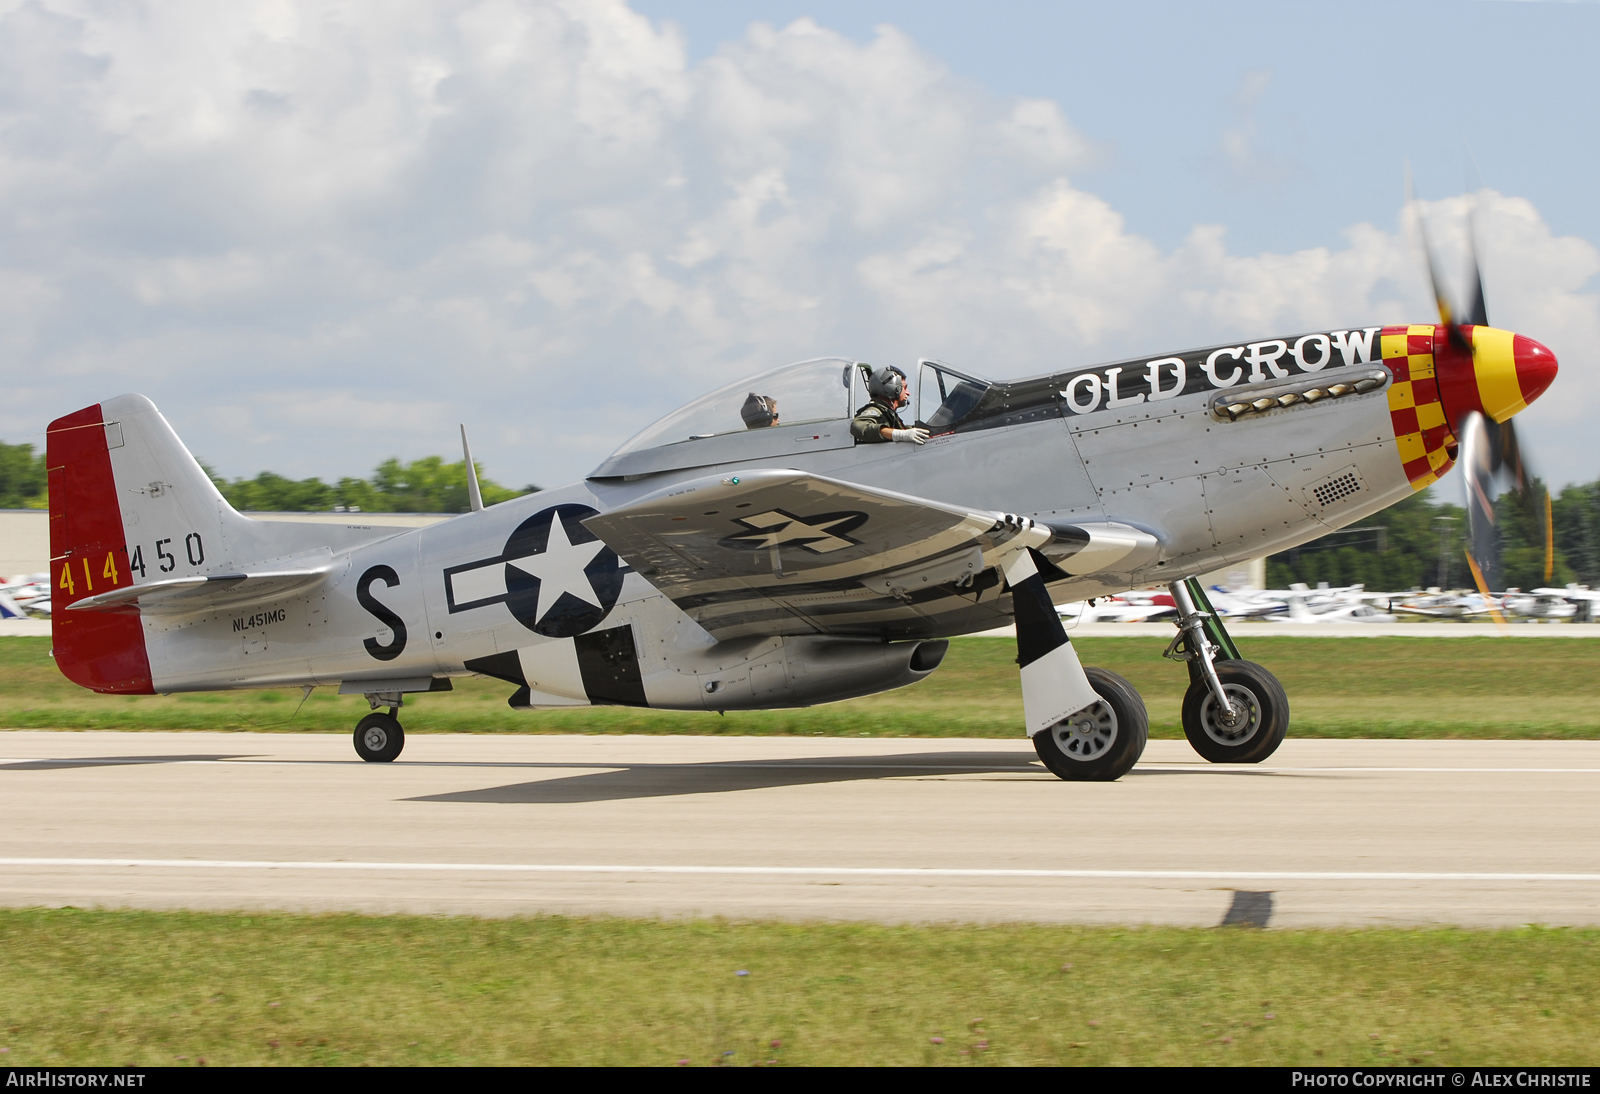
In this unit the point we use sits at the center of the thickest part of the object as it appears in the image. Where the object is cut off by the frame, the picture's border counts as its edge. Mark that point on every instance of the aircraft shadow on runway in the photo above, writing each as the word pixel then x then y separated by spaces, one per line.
pixel 64 763
pixel 667 780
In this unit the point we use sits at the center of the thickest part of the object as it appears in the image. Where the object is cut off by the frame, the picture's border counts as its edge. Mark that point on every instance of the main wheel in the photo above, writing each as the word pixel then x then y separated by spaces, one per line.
pixel 1104 741
pixel 379 738
pixel 1258 727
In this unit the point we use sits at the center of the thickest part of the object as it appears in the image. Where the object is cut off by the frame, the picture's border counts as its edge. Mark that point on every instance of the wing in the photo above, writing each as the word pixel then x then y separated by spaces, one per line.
pixel 769 552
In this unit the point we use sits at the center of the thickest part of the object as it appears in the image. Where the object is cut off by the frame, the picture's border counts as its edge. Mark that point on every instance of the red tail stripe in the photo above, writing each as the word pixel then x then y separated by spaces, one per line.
pixel 103 651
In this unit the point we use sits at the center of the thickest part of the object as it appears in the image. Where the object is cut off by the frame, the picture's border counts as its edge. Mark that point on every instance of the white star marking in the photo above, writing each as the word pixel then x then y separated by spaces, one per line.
pixel 559 568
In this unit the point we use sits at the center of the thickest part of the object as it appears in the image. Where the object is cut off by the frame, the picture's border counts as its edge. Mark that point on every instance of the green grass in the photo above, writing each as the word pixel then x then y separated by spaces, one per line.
pixel 148 988
pixel 1338 687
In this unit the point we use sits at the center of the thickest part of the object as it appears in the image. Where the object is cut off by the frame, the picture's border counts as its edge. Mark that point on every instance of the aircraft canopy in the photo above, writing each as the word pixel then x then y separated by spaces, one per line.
pixel 813 401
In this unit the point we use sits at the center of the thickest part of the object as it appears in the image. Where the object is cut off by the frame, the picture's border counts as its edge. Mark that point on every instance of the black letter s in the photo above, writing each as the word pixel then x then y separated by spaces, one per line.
pixel 364 596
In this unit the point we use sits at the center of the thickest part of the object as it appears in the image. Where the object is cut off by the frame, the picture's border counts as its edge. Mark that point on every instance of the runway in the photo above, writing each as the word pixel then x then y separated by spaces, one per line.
pixel 1326 833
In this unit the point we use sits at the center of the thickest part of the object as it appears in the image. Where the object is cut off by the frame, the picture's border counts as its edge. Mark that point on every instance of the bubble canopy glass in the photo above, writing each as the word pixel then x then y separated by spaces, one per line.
pixel 818 390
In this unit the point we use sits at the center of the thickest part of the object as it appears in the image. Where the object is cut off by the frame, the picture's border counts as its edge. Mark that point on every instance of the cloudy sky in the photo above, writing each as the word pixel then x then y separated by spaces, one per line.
pixel 320 234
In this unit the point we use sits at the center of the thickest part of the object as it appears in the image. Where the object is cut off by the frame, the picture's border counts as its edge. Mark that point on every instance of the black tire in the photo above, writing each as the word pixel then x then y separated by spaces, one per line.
pixel 1102 743
pixel 379 738
pixel 1250 740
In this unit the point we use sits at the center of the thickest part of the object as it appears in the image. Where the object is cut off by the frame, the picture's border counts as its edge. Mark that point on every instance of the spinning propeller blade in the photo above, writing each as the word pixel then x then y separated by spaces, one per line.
pixel 1440 297
pixel 1490 456
pixel 1477 311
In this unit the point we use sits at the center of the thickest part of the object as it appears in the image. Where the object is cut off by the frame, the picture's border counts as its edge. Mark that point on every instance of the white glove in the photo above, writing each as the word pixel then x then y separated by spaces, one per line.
pixel 909 436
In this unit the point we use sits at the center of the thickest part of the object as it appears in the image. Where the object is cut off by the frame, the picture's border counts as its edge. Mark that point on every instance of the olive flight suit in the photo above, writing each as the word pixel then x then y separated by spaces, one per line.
pixel 867 426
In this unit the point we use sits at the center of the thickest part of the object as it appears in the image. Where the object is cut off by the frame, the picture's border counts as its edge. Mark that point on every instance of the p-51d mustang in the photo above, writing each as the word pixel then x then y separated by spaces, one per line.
pixel 715 562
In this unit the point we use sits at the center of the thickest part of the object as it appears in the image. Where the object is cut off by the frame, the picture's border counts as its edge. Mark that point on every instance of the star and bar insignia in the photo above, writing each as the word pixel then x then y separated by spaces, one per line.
pixel 776 528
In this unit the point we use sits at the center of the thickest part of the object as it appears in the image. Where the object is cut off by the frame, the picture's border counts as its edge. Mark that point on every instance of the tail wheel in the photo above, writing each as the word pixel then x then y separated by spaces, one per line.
pixel 379 738
pixel 1102 742
pixel 1259 722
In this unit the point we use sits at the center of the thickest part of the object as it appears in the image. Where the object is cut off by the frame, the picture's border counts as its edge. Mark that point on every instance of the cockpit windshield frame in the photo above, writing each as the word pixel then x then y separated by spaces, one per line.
pixel 945 395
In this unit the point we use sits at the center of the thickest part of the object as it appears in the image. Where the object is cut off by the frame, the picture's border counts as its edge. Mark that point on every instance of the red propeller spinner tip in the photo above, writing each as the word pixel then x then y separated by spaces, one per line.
pixel 1535 365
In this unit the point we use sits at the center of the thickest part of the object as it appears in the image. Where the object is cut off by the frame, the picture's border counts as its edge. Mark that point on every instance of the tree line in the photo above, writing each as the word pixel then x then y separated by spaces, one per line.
pixel 428 485
pixel 22 477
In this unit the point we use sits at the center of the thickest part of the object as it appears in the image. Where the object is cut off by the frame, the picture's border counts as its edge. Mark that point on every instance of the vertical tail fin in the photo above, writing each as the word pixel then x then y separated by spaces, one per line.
pixel 128 504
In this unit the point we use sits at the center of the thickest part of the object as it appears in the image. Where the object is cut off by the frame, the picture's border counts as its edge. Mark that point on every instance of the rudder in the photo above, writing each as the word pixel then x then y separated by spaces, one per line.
pixel 103 651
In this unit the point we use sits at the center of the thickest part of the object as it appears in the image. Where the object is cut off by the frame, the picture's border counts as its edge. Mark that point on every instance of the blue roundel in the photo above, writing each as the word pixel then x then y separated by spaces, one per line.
pixel 561 579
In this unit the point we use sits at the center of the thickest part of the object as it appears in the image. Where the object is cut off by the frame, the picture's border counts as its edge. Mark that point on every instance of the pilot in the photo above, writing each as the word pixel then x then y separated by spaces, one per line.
pixel 759 411
pixel 877 422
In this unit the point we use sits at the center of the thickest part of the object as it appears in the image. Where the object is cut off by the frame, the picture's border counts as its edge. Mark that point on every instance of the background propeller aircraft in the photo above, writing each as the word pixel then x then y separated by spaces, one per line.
pixel 25 596
pixel 1133 606
pixel 1244 605
pixel 719 563
pixel 1301 604
pixel 1581 597
pixel 1550 604
pixel 1436 604
pixel 1573 602
pixel 1347 608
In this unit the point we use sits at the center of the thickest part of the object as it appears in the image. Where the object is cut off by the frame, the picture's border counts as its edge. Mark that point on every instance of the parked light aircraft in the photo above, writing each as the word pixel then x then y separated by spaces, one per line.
pixel 1246 604
pixel 1277 605
pixel 1580 596
pixel 1437 604
pixel 1345 609
pixel 1573 602
pixel 1547 604
pixel 1302 604
pixel 1132 606
pixel 707 565
pixel 25 596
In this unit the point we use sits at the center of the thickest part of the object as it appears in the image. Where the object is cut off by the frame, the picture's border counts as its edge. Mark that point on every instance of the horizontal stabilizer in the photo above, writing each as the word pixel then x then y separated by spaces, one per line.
pixel 179 595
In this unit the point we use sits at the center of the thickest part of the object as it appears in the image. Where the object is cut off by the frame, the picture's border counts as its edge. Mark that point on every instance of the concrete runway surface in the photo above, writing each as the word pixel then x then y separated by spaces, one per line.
pixel 1326 833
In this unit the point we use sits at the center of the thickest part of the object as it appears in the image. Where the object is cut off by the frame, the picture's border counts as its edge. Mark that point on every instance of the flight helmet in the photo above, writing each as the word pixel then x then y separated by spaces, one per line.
pixel 759 411
pixel 887 384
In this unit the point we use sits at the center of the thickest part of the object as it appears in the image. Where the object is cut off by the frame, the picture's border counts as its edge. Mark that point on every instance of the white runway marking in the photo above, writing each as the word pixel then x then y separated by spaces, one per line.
pixel 797 871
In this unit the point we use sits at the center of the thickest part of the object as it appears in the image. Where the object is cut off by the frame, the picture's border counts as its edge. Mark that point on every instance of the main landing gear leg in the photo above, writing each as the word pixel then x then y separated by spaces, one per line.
pixel 1235 711
pixel 1086 724
pixel 378 736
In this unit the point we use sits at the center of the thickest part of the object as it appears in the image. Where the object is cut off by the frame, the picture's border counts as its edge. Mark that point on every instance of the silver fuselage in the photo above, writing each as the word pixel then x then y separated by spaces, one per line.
pixel 1062 449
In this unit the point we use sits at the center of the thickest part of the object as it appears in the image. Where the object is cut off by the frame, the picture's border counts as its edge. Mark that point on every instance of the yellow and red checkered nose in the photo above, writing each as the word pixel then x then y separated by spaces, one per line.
pixel 1421 431
pixel 1504 373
